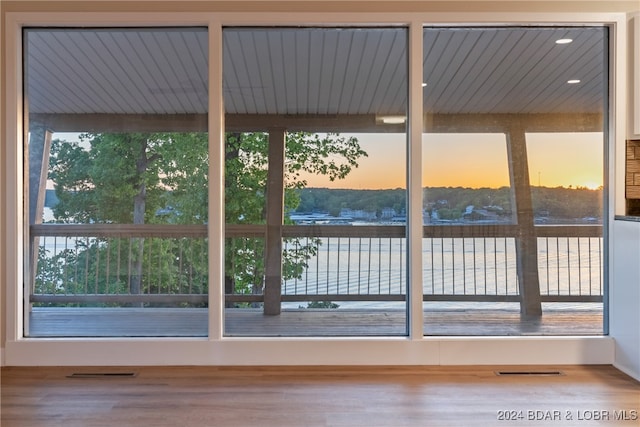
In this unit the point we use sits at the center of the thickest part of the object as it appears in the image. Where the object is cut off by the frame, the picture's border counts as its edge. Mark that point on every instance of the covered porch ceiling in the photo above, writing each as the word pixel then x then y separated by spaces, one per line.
pixel 315 79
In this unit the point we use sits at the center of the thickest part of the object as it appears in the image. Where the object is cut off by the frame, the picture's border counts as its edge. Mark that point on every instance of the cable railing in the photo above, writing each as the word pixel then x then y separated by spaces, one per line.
pixel 155 265
pixel 114 265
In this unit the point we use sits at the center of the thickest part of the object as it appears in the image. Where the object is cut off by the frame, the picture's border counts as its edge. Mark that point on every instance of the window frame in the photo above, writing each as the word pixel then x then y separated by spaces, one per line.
pixel 220 350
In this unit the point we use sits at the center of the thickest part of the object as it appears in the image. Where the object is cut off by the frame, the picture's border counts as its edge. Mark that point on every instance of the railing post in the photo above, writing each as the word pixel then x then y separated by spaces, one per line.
pixel 275 217
pixel 526 240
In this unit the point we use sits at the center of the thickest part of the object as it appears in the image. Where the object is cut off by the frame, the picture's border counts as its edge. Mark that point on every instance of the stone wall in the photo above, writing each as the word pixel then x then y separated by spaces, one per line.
pixel 632 184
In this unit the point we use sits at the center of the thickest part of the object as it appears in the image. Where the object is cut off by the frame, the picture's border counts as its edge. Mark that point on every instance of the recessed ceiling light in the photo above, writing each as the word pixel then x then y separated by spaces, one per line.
pixel 574 81
pixel 564 41
pixel 391 120
pixel 424 85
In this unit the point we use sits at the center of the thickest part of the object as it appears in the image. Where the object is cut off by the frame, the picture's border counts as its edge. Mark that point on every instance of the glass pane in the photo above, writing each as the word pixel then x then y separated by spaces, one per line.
pixel 118 181
pixel 316 181
pixel 513 167
pixel 567 193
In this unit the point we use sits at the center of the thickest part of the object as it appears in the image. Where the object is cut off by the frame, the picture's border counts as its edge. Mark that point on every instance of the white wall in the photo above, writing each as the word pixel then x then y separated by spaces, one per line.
pixel 2 276
pixel 624 264
pixel 624 296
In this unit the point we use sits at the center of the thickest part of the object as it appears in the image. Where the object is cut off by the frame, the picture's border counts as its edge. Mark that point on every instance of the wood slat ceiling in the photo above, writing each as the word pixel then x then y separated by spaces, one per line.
pixel 514 70
pixel 326 71
pixel 117 71
pixel 315 71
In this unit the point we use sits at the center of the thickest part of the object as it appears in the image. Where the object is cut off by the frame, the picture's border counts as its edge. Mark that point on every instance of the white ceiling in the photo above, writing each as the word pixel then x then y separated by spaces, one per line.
pixel 514 70
pixel 315 70
pixel 117 71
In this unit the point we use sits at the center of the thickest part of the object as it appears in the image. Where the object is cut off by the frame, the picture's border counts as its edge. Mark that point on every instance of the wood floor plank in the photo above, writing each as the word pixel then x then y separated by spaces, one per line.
pixel 318 396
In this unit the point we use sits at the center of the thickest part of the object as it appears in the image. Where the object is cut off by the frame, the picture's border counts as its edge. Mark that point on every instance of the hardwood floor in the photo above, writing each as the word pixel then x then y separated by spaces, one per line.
pixel 319 396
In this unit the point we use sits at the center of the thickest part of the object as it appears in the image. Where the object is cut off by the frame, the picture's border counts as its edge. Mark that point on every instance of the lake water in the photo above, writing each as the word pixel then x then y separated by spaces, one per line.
pixel 457 266
pixel 450 266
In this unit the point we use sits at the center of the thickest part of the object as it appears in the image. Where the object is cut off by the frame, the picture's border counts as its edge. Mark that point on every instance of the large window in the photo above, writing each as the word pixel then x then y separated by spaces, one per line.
pixel 513 189
pixel 315 184
pixel 117 181
pixel 316 190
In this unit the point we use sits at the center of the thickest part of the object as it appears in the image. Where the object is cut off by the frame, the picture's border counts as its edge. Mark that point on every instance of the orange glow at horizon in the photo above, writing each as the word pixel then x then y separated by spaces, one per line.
pixel 468 160
pixel 464 160
pixel 566 159
pixel 474 161
pixel 383 168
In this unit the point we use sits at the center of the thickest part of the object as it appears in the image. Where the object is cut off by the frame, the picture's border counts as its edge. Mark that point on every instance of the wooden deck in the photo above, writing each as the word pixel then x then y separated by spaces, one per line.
pixel 184 322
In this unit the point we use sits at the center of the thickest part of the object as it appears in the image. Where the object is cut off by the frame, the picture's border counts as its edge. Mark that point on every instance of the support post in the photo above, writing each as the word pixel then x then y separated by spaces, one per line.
pixel 526 240
pixel 39 150
pixel 275 217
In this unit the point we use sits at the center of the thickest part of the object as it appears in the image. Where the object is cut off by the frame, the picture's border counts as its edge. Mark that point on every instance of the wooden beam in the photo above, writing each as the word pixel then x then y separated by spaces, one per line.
pixel 526 239
pixel 121 123
pixel 501 123
pixel 120 298
pixel 39 151
pixel 121 230
pixel 203 298
pixel 275 219
pixel 259 230
pixel 353 123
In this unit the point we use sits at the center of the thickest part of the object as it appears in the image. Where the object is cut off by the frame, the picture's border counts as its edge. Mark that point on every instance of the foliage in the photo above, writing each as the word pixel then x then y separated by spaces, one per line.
pixel 162 178
pixel 555 204
pixel 322 304
pixel 333 201
pixel 246 194
pixel 305 153
pixel 561 203
pixel 98 178
pixel 103 266
pixel 458 198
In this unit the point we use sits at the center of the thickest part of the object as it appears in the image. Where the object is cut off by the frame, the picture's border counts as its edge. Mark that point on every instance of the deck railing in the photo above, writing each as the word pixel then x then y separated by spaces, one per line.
pixel 120 264
pixel 167 264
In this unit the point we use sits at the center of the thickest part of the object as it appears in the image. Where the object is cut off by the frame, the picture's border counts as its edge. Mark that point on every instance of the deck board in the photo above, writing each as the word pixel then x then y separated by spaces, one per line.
pixel 186 322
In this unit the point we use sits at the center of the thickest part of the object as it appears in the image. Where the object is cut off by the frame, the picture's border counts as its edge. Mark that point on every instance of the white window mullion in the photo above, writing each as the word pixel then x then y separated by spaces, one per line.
pixel 12 169
pixel 414 159
pixel 216 184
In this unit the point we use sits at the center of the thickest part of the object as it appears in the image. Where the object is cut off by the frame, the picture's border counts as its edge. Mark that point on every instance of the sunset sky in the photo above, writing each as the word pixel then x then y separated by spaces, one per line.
pixel 475 160
pixel 470 160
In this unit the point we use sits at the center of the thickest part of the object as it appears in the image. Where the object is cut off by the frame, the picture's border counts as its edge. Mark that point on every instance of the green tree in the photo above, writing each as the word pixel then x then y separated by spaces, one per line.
pixel 162 178
pixel 125 178
pixel 246 196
